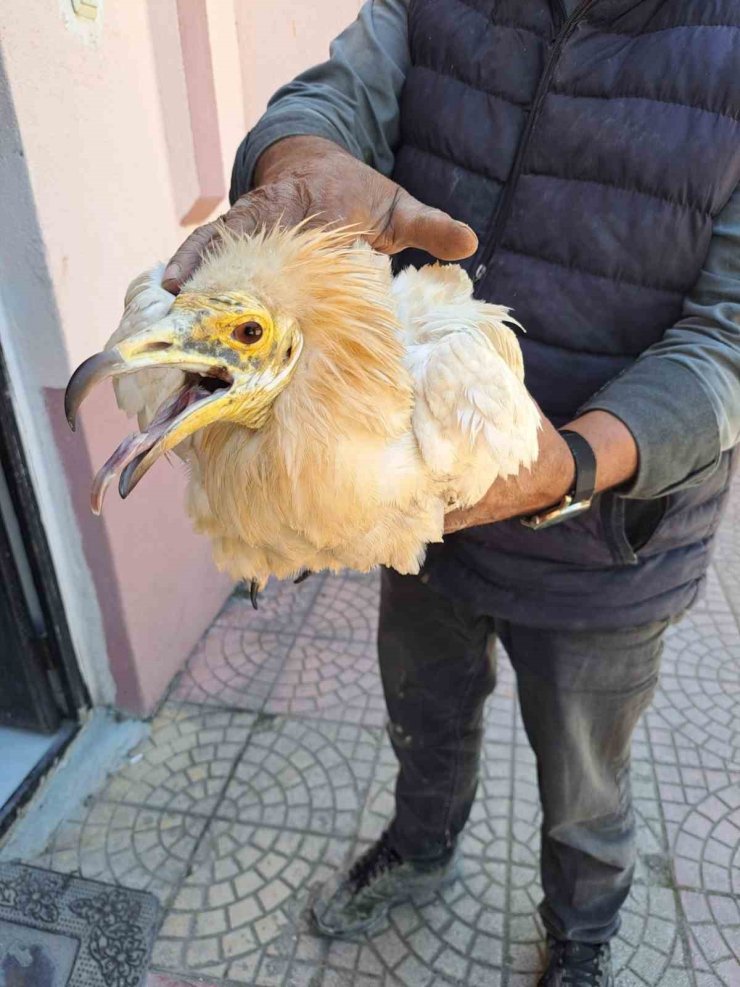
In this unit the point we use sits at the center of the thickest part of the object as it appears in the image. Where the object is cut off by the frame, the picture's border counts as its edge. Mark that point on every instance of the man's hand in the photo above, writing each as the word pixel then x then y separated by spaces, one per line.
pixel 553 472
pixel 302 177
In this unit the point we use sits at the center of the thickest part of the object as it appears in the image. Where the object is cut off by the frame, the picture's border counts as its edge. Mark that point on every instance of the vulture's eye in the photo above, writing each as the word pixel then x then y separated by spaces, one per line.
pixel 247 333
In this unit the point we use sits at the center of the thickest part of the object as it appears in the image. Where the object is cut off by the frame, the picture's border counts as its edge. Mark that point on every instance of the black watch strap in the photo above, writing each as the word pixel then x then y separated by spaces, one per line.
pixel 585 463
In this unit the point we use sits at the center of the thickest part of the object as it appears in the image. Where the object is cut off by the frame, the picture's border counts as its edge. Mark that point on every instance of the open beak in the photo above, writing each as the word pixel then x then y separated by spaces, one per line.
pixel 207 387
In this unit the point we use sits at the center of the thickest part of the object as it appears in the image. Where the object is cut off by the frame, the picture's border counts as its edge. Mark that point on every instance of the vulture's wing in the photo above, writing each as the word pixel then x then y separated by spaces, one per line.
pixel 146 302
pixel 472 411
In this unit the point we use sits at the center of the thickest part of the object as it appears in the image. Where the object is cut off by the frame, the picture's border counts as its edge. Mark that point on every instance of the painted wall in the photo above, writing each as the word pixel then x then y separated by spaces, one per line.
pixel 118 135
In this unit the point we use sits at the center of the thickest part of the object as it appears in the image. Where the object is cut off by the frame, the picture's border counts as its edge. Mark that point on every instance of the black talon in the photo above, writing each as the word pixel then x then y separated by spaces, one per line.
pixel 303 577
pixel 254 592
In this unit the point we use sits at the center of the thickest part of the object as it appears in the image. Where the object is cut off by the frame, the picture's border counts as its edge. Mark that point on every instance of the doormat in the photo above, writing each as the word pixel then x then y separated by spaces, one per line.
pixel 62 931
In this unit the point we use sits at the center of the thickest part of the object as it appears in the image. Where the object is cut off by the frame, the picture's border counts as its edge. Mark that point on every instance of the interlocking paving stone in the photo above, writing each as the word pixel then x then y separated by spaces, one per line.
pixel 302 774
pixel 707 844
pixel 236 912
pixel 699 697
pixel 185 763
pixel 714 935
pixel 132 846
pixel 233 667
pixel 345 609
pixel 331 679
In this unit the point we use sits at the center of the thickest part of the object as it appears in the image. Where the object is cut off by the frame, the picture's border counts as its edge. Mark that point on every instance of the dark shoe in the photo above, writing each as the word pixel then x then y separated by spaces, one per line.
pixel 578 964
pixel 356 901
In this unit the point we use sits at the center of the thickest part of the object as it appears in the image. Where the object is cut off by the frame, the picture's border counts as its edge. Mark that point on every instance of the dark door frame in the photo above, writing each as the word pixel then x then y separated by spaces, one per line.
pixel 62 659
pixel 54 649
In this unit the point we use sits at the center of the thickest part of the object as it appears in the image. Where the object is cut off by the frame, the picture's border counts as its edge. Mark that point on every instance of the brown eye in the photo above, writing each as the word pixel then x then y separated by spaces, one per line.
pixel 247 333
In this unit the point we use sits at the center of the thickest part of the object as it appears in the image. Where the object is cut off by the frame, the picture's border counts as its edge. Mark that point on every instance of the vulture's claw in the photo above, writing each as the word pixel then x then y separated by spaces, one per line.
pixel 254 592
pixel 303 577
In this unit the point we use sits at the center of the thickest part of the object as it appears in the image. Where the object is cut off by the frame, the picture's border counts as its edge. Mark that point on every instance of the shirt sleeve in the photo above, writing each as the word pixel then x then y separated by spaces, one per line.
pixel 681 398
pixel 351 99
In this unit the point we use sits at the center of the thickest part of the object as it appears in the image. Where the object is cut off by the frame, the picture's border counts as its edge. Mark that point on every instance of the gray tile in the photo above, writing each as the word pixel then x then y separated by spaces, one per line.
pixel 332 679
pixel 132 846
pixel 302 774
pixel 238 914
pixel 706 845
pixel 232 667
pixel 714 936
pixel 345 608
pixel 699 695
pixel 185 762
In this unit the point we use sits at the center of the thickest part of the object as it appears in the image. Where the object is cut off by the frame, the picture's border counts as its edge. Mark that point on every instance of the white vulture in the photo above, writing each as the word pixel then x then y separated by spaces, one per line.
pixel 329 413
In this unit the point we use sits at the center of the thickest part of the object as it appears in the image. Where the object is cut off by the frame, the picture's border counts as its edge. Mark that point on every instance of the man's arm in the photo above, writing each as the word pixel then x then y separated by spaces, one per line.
pixel 663 424
pixel 681 399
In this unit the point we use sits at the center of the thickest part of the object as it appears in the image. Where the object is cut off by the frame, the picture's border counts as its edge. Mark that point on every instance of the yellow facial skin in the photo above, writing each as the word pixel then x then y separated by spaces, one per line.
pixel 228 335
pixel 216 320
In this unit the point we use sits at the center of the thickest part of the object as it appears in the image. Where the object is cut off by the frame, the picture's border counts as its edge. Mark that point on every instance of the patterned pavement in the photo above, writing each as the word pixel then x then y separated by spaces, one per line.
pixel 268 766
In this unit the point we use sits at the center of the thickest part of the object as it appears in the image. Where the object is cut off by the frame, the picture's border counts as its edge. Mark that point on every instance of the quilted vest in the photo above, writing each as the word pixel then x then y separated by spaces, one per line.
pixel 591 153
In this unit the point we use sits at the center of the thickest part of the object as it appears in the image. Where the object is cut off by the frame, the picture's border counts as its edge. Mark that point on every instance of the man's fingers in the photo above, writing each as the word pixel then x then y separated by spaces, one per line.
pixel 407 223
pixel 415 225
pixel 187 257
pixel 282 203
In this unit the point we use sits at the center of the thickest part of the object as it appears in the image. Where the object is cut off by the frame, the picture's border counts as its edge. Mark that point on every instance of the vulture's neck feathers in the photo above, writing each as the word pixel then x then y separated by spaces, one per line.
pixel 351 376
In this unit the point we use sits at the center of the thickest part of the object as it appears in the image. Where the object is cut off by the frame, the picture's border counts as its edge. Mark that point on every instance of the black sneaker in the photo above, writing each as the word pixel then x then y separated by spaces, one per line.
pixel 578 964
pixel 355 902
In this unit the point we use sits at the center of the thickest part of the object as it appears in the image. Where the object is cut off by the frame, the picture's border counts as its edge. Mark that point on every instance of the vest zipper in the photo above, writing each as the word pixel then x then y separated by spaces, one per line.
pixel 502 213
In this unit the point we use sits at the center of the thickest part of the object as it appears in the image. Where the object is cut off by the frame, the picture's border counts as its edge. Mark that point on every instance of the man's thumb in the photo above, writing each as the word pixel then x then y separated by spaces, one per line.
pixel 417 225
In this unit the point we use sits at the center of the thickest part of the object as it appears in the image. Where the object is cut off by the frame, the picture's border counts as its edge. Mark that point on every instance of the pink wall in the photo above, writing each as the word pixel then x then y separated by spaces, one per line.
pixel 128 127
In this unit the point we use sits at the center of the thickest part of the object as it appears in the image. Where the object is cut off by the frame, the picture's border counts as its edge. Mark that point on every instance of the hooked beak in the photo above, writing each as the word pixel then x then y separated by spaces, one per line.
pixel 207 383
pixel 95 369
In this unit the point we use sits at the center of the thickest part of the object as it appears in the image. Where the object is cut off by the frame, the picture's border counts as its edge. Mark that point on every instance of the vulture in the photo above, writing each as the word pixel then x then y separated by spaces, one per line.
pixel 328 412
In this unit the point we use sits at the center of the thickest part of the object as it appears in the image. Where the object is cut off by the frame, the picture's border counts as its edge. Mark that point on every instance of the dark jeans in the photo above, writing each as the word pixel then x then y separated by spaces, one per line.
pixel 581 695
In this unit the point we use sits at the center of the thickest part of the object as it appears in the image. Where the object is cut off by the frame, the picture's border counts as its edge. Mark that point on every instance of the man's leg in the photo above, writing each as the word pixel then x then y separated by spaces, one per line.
pixel 581 695
pixel 437 667
pixel 437 670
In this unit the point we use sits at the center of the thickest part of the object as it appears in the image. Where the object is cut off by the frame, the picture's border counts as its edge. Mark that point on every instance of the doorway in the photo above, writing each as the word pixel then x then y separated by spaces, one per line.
pixel 41 691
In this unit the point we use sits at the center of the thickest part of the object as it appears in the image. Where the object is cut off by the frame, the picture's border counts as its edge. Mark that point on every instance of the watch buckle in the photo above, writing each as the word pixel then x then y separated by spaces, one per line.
pixel 567 508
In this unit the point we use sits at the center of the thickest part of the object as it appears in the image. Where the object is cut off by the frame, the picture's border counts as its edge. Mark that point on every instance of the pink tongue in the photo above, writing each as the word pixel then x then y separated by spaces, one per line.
pixel 139 444
pixel 127 450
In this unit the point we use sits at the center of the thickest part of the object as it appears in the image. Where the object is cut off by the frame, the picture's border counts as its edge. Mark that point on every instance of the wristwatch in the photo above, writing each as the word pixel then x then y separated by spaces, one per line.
pixel 581 494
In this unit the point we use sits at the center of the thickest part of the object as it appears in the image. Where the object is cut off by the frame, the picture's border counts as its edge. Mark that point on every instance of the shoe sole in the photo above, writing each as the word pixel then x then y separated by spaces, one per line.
pixel 374 925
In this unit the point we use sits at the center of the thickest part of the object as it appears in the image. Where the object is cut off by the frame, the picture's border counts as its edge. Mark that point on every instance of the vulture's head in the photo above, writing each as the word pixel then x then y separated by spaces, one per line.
pixel 238 331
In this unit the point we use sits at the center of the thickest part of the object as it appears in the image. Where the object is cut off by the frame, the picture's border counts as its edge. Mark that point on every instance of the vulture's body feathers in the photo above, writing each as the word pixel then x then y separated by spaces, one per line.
pixel 390 401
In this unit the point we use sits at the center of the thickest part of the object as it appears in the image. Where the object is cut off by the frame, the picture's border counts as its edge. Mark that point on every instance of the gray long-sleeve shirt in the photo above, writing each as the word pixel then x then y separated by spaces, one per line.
pixel 681 398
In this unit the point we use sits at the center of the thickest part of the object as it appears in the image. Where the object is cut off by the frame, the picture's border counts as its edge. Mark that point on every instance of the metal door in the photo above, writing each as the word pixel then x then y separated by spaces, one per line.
pixel 26 697
pixel 40 683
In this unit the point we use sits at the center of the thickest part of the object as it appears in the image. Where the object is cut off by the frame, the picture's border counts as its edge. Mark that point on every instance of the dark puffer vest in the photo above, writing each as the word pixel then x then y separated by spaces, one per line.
pixel 591 154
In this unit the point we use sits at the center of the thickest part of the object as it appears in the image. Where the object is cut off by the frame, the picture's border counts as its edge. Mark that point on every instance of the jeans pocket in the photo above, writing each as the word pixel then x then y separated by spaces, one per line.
pixel 630 525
